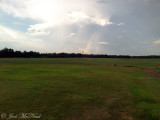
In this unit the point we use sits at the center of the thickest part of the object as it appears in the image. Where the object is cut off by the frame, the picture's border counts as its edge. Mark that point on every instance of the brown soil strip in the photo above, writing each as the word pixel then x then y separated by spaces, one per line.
pixel 151 72
pixel 147 70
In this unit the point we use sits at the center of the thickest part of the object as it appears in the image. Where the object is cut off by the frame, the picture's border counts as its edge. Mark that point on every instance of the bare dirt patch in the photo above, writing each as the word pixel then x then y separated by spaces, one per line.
pixel 152 72
pixel 158 66
pixel 147 70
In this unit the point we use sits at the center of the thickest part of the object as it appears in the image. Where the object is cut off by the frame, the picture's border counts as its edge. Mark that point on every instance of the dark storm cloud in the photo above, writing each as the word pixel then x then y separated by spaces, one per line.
pixel 141 27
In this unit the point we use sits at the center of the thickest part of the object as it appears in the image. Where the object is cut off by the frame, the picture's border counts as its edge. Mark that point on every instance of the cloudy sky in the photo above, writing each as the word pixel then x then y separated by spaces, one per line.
pixel 128 27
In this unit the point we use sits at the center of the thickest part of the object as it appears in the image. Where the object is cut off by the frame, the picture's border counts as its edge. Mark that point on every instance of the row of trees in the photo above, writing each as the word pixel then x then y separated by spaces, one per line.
pixel 10 53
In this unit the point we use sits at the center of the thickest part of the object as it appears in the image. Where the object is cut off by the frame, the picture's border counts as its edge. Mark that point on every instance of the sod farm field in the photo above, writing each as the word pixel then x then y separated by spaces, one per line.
pixel 80 89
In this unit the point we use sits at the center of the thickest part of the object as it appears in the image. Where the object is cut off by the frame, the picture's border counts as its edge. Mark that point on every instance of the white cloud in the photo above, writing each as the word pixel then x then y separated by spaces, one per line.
pixel 19 39
pixel 101 21
pixel 103 43
pixel 41 29
pixel 71 35
pixel 157 42
pixel 119 24
pixel 40 33
pixel 77 16
pixel 38 27
pixel 51 13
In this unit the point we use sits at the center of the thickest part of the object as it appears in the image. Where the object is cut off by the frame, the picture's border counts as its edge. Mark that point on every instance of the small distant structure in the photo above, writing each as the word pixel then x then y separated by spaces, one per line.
pixel 114 65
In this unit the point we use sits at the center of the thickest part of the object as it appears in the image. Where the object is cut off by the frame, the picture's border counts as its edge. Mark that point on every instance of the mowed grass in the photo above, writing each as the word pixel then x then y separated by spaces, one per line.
pixel 80 89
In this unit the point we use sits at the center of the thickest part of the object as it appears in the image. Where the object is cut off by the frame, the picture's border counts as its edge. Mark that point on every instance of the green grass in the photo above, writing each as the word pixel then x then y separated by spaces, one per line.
pixel 157 70
pixel 80 89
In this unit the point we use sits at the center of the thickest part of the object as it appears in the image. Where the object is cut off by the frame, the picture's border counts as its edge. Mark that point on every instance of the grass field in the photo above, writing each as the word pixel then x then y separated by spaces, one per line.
pixel 80 89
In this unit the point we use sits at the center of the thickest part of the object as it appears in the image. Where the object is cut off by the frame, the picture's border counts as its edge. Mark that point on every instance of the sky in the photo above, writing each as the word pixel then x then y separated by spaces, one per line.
pixel 119 27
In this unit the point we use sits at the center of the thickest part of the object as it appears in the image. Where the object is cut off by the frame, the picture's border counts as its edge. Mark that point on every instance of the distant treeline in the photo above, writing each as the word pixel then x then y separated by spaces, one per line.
pixel 10 53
